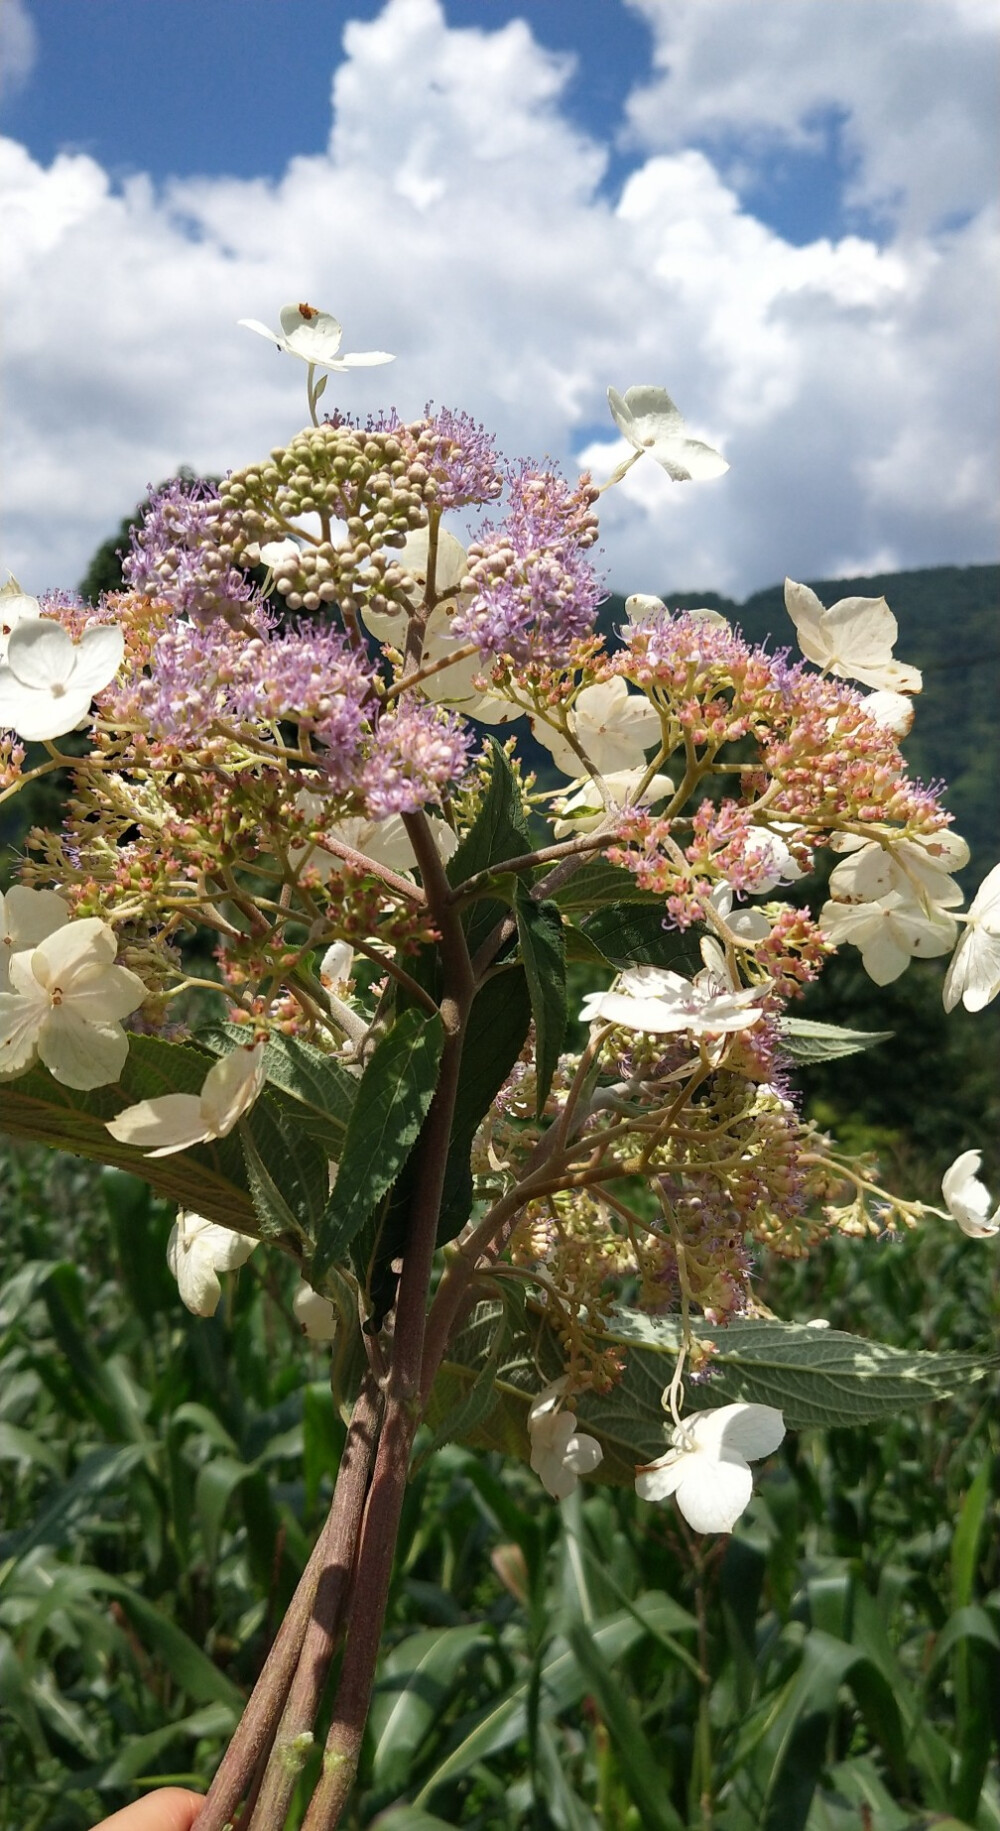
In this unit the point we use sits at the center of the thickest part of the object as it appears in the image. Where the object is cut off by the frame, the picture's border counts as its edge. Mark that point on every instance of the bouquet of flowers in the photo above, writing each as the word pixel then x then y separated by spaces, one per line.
pixel 304 953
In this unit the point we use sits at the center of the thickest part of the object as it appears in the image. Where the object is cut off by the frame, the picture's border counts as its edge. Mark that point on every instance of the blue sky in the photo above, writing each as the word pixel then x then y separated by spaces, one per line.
pixel 784 213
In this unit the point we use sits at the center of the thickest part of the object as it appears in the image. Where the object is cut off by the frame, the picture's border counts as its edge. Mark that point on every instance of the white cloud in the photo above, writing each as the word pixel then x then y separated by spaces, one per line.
pixel 914 81
pixel 457 219
pixel 18 46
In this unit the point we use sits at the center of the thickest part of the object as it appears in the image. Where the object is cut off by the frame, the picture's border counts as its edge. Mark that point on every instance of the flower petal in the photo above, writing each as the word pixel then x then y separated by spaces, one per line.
pixel 173 1122
pixel 99 654
pixel 230 1089
pixel 78 1053
pixel 41 654
pixel 713 1493
pixel 747 1430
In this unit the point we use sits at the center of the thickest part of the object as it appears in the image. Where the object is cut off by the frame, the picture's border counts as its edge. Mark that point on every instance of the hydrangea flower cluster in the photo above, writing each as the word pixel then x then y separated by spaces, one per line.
pixel 305 785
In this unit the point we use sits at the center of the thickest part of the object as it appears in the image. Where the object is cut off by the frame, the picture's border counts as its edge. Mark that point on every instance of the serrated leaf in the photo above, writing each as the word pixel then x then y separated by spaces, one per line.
pixel 814 1377
pixel 288 1175
pixel 806 1040
pixel 394 1095
pixel 631 935
pixel 543 951
pixel 595 882
pixel 498 832
pixel 322 1089
pixel 494 1037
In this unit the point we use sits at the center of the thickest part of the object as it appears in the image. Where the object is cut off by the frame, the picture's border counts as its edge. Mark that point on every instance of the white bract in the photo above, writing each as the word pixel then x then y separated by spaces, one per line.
pixel 175 1122
pixel 197 1251
pixel 27 917
pixel 560 1453
pixel 48 680
pixel 65 1005
pixel 774 862
pixel 315 1314
pixel 893 710
pixel 658 1001
pixel 314 337
pixel 582 808
pixel 967 1199
pixel 746 926
pixel 853 639
pixel 386 842
pixel 613 727
pixel 889 933
pixel 16 606
pixel 707 1467
pixel 641 608
pixel 974 973
pixel 649 420
pixel 453 684
pixel 921 865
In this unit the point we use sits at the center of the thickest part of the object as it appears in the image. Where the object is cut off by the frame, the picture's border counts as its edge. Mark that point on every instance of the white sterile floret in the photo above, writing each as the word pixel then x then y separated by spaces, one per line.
pixel 386 842
pixel 582 808
pixel 335 966
pixel 27 917
pixel 853 639
pixel 454 682
pixel 65 1004
pixel 613 727
pixel 892 710
pixel 48 680
pixel 197 1251
pixel 175 1122
pixel 315 1314
pixel 16 606
pixel 649 420
pixel 314 337
pixel 773 862
pixel 974 973
pixel 920 866
pixel 746 926
pixel 658 1001
pixel 967 1199
pixel 707 1467
pixel 641 608
pixel 889 933
pixel 560 1453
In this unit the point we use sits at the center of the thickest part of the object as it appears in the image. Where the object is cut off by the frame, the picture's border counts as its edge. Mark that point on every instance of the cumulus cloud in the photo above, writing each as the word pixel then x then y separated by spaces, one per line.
pixel 18 46
pixel 914 88
pixel 458 217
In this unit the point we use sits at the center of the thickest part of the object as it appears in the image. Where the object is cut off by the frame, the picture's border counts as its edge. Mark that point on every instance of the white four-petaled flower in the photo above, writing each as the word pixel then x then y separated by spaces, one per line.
pixel 658 1001
pixel 889 933
pixel 974 973
pixel 560 1453
pixel 197 1251
pixel 649 420
pixel 314 337
pixel 967 1199
pixel 315 1314
pixel 707 1467
pixel 175 1122
pixel 26 917
pixel 853 639
pixel 48 680
pixel 65 1006
pixel 613 727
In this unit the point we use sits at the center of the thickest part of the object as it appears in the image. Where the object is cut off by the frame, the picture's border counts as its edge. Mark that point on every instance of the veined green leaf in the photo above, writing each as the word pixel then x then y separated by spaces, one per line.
pixel 494 1037
pixel 394 1095
pixel 543 950
pixel 808 1041
pixel 499 831
pixel 631 935
pixel 595 883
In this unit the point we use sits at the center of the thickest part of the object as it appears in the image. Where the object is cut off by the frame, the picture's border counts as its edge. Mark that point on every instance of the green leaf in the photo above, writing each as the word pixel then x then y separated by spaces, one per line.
pixel 543 950
pixel 814 1377
pixel 494 1037
pixel 561 1685
pixel 321 1092
pixel 968 1533
pixel 595 882
pixel 22 1446
pixel 288 1174
pixel 635 936
pixel 393 1098
pixel 211 1178
pixel 640 1770
pixel 498 832
pixel 477 1403
pixel 807 1041
pixel 411 1691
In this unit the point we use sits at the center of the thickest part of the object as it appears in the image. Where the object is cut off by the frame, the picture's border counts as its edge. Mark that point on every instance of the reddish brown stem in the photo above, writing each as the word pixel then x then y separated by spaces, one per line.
pixel 328 1568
